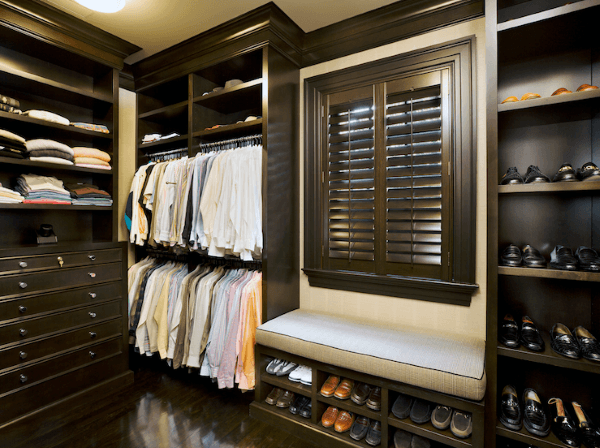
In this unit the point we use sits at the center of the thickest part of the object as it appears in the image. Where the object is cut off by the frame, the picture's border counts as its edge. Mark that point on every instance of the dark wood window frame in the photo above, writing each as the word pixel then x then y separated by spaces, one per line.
pixel 457 59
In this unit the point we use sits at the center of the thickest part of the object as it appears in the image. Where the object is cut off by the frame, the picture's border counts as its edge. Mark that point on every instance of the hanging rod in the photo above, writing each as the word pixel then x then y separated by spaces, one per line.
pixel 163 153
pixel 248 138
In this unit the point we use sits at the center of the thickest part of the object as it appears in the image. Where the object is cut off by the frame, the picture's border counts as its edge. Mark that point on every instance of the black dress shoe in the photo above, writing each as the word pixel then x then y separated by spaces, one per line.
pixel 532 257
pixel 402 406
pixel 530 336
pixel 306 410
pixel 511 256
pixel 509 332
pixel 566 173
pixel 563 342
pixel 588 431
pixel 511 177
pixel 563 426
pixel 588 172
pixel 535 418
pixel 297 404
pixel 588 344
pixel 588 259
pixel 563 258
pixel 535 176
pixel 510 410
pixel 359 428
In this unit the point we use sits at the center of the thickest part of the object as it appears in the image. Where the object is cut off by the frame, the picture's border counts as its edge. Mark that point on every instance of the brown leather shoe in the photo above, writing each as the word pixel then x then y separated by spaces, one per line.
pixel 344 390
pixel 374 400
pixel 344 421
pixel 274 396
pixel 286 399
pixel 329 417
pixel 360 393
pixel 329 386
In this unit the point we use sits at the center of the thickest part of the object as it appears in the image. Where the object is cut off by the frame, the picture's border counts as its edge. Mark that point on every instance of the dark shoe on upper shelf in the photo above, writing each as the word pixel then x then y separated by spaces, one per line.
pixel 360 393
pixel 588 344
pixel 511 256
pixel 343 391
pixel 535 417
pixel 563 341
pixel 511 177
pixel 535 176
pixel 562 258
pixel 421 410
pixel 589 433
pixel 566 173
pixel 360 427
pixel 588 172
pixel 509 332
pixel 588 259
pixel 374 434
pixel 402 405
pixel 462 424
pixel 530 336
pixel 374 400
pixel 441 416
pixel 563 426
pixel 510 409
pixel 532 257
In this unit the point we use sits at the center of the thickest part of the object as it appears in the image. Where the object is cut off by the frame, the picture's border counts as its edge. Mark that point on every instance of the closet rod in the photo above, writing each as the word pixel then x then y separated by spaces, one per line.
pixel 163 153
pixel 216 261
pixel 248 138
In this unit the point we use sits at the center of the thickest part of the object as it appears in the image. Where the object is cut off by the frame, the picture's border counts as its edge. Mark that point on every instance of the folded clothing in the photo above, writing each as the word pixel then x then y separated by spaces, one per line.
pixel 51 160
pixel 92 127
pixel 13 141
pixel 50 153
pixel 11 109
pixel 31 182
pixel 9 101
pixel 97 167
pixel 82 190
pixel 90 161
pixel 11 152
pixel 98 202
pixel 46 201
pixel 47 116
pixel 8 196
pixel 79 151
pixel 41 143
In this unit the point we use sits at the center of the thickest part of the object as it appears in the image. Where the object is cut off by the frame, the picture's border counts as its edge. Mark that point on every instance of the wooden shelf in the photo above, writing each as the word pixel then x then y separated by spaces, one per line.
pixel 550 273
pixel 53 166
pixel 546 15
pixel 56 207
pixel 549 441
pixel 24 122
pixel 238 128
pixel 428 431
pixel 228 100
pixel 286 384
pixel 549 187
pixel 175 141
pixel 349 405
pixel 167 112
pixel 550 101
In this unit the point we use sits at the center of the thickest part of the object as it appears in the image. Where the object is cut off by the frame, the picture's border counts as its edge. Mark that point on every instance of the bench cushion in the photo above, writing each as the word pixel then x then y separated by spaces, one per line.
pixel 436 361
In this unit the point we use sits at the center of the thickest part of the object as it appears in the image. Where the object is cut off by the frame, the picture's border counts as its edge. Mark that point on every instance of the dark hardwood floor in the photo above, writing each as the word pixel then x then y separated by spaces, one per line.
pixel 162 409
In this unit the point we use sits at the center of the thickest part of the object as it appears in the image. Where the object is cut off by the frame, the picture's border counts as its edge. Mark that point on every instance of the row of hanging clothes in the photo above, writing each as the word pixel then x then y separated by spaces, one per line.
pixel 203 318
pixel 210 203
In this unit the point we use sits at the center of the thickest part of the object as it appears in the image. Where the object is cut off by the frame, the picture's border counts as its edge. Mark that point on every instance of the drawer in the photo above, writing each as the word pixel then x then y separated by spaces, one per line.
pixel 25 353
pixel 30 263
pixel 59 278
pixel 55 366
pixel 32 305
pixel 27 329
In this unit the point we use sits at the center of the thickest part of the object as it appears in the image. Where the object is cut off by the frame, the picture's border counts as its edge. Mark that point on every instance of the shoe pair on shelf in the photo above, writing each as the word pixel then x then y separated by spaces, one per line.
pixel 301 374
pixel 566 173
pixel 568 431
pixel 534 415
pixel 529 257
pixel 532 176
pixel 576 344
pixel 280 398
pixel 365 428
pixel 405 439
pixel 359 393
pixel 297 373
pixel 585 259
pixel 301 406
pixel 528 335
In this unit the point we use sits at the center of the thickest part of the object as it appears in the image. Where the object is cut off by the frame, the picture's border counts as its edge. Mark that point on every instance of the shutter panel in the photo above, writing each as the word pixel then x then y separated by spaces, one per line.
pixel 413 122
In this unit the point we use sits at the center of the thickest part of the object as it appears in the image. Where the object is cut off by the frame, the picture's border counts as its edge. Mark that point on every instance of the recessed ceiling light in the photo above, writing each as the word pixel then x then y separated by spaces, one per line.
pixel 103 5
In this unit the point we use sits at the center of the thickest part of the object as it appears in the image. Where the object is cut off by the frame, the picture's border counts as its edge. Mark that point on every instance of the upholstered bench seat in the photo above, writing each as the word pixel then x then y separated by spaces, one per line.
pixel 437 361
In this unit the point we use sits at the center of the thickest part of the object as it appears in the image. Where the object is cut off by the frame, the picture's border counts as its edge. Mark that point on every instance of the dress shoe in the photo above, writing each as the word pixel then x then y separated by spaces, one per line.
pixel 286 399
pixel 530 336
pixel 588 344
pixel 306 410
pixel 374 400
pixel 535 176
pixel 530 96
pixel 402 405
pixel 374 434
pixel 510 410
pixel 589 433
pixel 273 365
pixel 298 403
pixel 343 391
pixel 535 418
pixel 563 258
pixel 560 91
pixel 286 369
pixel 441 416
pixel 588 172
pixel 421 410
pixel 510 99
pixel 588 259
pixel 586 87
pixel 274 396
pixel 329 416
pixel 462 424
pixel 509 332
pixel 511 177
pixel 563 426
pixel 344 421
pixel 402 439
pixel 563 342
pixel 566 173
pixel 360 393
pixel 511 256
pixel 329 386
pixel 360 427
pixel 532 257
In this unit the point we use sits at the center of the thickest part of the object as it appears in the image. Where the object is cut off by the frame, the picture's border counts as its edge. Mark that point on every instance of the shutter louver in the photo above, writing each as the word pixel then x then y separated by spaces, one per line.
pixel 414 177
pixel 351 181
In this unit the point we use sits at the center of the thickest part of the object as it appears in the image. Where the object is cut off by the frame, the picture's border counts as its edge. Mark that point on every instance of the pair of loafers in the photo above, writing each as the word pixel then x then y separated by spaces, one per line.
pixel 576 344
pixel 588 172
pixel 418 410
pixel 529 257
pixel 584 258
pixel 280 398
pixel 533 415
pixel 365 428
pixel 570 432
pixel 280 367
pixel 301 406
pixel 532 176
pixel 528 335
pixel 459 422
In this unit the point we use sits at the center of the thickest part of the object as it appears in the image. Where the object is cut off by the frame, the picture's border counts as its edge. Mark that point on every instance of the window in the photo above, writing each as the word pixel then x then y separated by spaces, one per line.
pixel 393 154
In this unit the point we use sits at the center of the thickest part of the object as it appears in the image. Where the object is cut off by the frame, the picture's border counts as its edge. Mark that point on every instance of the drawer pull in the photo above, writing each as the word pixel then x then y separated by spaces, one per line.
pixel 22 355
pixel 22 309
pixel 23 378
pixel 92 257
pixel 92 315
pixel 23 332
pixel 92 335
pixel 60 261
pixel 92 354
pixel 23 264
pixel 92 274
pixel 22 285
pixel 93 295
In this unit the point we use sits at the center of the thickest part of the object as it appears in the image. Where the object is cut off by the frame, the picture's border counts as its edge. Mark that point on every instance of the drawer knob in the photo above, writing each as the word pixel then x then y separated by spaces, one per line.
pixel 23 378
pixel 22 309
pixel 92 274
pixel 92 315
pixel 23 264
pixel 92 257
pixel 92 354
pixel 22 285
pixel 22 355
pixel 92 335
pixel 60 261
pixel 92 295
pixel 23 332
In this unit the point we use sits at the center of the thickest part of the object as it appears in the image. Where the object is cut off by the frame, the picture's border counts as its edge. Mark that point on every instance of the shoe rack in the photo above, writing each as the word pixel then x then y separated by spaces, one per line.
pixel 313 431
pixel 540 46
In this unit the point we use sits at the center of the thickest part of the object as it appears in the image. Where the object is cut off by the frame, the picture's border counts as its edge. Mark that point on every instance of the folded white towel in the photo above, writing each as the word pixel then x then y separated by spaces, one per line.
pixel 47 116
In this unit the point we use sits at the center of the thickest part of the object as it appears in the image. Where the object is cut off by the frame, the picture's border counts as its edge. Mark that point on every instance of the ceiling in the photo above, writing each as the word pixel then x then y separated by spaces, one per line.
pixel 155 25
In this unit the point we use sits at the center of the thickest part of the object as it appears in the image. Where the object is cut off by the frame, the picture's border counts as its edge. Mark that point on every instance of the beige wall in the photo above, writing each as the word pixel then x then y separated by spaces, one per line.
pixel 457 319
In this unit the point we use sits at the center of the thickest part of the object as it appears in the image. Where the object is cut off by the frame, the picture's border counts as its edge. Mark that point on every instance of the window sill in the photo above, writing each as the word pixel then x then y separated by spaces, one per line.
pixel 395 286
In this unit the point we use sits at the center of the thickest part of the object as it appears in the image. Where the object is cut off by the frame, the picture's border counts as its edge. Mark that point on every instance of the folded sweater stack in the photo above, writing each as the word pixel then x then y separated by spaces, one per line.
pixel 42 190
pixel 8 196
pixel 91 158
pixel 42 150
pixel 88 194
pixel 12 145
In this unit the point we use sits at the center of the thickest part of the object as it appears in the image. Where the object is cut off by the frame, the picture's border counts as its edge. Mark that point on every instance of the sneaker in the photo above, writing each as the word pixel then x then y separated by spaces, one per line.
pixel 273 365
pixel 296 374
pixel 286 369
pixel 306 376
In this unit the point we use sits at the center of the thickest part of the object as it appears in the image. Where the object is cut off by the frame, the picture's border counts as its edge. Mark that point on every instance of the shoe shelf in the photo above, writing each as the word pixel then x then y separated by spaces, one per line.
pixel 575 97
pixel 555 13
pixel 550 273
pixel 165 113
pixel 428 431
pixel 286 384
pixel 349 405
pixel 550 441
pixel 549 187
